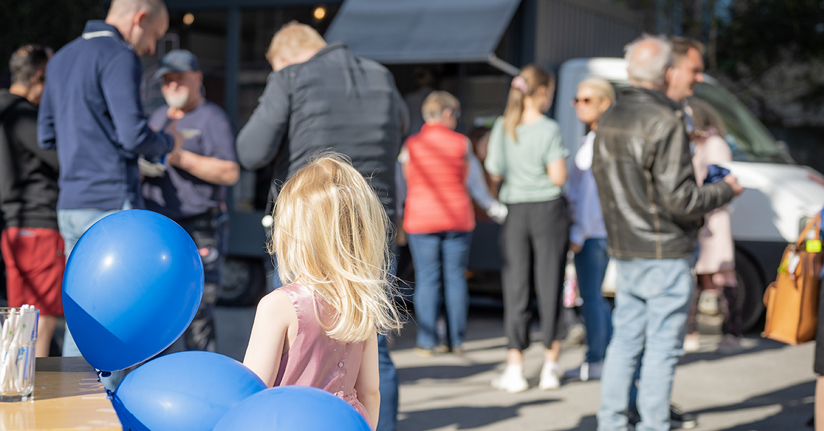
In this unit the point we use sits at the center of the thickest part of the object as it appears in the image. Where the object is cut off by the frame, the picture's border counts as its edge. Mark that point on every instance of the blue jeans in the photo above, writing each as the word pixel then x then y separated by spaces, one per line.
pixel 591 265
pixel 388 419
pixel 651 305
pixel 431 253
pixel 72 225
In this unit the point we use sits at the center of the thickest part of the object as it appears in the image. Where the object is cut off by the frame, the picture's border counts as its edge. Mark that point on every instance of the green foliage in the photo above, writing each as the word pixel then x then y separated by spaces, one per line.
pixel 48 22
pixel 772 51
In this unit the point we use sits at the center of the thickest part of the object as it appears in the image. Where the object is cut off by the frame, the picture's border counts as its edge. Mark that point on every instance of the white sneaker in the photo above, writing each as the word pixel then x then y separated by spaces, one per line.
pixel 511 380
pixel 591 370
pixel 692 343
pixel 550 376
pixel 584 373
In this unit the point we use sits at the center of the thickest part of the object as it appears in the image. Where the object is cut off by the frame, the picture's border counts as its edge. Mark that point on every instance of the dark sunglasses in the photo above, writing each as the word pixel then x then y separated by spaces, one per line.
pixel 585 101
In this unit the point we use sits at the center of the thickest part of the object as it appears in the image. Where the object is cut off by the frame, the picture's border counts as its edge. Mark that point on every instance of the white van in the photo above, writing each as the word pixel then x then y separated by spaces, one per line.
pixel 780 195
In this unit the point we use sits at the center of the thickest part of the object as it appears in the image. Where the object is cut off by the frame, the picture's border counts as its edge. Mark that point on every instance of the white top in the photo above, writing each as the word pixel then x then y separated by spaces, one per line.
pixel 582 195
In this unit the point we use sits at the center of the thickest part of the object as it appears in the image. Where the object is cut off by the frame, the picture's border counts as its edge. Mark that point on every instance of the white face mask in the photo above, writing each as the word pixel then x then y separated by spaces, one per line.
pixel 177 98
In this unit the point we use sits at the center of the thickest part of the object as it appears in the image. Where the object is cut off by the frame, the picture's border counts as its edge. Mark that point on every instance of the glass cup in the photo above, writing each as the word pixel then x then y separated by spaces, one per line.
pixel 17 347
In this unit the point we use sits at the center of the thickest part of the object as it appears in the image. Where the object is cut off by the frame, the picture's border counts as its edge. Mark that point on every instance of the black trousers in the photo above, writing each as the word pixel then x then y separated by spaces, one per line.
pixel 535 240
pixel 818 364
pixel 209 232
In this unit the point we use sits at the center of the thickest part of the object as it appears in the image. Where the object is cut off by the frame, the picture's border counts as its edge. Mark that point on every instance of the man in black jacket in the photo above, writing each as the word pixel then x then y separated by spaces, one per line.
pixel 652 211
pixel 32 246
pixel 322 97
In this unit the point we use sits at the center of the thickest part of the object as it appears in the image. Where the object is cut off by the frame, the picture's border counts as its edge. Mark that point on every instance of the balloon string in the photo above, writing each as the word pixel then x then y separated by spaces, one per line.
pixel 100 375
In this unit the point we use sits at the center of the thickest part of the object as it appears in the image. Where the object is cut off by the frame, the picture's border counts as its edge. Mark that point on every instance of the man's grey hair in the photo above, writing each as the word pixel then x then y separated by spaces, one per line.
pixel 648 59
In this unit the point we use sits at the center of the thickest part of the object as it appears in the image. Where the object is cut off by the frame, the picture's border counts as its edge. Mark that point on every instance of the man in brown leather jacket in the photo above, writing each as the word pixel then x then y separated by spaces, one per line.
pixel 652 210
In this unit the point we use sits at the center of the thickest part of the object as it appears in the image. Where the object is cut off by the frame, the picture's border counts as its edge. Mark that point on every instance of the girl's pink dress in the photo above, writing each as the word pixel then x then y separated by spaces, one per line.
pixel 314 359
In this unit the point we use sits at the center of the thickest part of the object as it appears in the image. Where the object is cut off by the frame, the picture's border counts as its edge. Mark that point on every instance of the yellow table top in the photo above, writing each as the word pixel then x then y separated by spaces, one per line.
pixel 67 396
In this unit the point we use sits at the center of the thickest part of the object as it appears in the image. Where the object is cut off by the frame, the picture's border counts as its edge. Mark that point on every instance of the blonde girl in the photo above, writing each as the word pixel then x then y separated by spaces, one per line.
pixel 527 154
pixel 330 238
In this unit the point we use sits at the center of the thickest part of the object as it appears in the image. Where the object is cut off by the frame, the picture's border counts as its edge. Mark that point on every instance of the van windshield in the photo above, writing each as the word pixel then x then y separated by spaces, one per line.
pixel 749 140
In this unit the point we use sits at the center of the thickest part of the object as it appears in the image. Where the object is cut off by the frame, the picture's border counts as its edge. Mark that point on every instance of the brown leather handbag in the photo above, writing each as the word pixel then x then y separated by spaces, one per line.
pixel 792 299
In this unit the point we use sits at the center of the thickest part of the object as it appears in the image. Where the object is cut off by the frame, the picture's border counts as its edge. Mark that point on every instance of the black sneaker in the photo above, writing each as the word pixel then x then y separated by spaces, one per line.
pixel 682 420
pixel 633 417
pixel 678 419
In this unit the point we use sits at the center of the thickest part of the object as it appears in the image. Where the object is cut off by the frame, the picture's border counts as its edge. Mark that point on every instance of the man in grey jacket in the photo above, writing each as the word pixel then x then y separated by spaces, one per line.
pixel 652 211
pixel 321 97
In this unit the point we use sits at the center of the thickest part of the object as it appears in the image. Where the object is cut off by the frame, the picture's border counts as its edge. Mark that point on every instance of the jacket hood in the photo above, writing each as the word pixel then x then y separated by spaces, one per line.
pixel 7 100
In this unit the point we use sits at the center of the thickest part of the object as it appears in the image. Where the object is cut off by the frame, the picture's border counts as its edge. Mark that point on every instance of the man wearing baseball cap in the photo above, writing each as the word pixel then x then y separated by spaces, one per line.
pixel 190 188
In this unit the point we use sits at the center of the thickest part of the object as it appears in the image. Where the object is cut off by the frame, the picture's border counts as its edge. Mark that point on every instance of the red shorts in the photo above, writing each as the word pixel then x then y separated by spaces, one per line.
pixel 34 268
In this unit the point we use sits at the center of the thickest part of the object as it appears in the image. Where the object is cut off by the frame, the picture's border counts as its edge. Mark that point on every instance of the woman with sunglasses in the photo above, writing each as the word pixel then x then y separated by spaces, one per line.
pixel 527 154
pixel 588 236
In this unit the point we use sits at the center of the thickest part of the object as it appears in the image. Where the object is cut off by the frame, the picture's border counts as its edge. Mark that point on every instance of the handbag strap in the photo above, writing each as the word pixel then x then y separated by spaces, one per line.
pixel 815 224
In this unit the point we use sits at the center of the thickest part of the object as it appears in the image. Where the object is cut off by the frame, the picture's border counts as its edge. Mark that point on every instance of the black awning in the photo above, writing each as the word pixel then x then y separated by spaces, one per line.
pixel 424 31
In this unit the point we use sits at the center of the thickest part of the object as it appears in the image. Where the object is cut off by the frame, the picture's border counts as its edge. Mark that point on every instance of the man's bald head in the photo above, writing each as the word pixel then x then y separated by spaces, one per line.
pixel 126 8
pixel 141 22
pixel 648 60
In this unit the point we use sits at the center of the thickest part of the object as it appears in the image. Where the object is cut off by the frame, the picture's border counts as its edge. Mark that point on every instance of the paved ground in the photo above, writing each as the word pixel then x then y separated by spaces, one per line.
pixel 768 386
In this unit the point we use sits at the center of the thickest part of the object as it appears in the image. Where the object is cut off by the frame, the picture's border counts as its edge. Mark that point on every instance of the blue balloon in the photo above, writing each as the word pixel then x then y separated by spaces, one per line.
pixel 132 285
pixel 183 391
pixel 288 408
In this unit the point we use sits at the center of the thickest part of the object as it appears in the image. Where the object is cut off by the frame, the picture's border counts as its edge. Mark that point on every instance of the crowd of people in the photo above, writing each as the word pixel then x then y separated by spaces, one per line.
pixel 641 193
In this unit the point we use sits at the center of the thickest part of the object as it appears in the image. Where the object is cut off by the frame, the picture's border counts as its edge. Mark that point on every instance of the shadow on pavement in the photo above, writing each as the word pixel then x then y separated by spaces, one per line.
pixel 796 409
pixel 462 417
pixel 761 344
pixel 411 374
pixel 587 423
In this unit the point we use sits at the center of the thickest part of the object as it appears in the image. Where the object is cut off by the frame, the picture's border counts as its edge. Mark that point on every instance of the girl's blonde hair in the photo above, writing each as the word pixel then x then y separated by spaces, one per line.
pixel 330 233
pixel 524 85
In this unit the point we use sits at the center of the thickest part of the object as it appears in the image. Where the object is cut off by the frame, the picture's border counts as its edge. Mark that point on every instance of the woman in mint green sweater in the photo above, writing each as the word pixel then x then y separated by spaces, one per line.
pixel 527 155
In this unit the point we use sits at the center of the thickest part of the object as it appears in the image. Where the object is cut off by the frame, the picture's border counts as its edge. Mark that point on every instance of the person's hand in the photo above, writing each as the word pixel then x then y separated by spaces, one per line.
pixel 497 212
pixel 178 137
pixel 575 248
pixel 175 113
pixel 733 182
pixel 173 158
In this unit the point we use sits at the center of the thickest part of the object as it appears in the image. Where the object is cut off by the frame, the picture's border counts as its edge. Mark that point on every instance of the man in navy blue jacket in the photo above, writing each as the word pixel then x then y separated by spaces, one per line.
pixel 91 112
